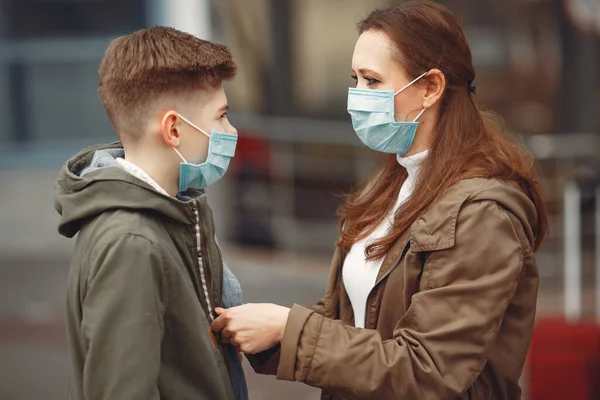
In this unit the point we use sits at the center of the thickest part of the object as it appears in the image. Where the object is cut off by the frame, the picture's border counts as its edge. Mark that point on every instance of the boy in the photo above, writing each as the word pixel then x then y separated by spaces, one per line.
pixel 147 273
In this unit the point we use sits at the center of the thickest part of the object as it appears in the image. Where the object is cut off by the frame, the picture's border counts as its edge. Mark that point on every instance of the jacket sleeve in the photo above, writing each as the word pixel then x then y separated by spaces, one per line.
pixel 439 346
pixel 123 321
pixel 267 362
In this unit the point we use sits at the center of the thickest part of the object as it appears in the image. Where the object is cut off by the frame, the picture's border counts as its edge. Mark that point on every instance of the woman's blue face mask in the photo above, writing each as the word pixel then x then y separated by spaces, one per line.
pixel 372 113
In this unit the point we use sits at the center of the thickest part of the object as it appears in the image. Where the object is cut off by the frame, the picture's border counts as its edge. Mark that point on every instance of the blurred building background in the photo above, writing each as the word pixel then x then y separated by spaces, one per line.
pixel 537 64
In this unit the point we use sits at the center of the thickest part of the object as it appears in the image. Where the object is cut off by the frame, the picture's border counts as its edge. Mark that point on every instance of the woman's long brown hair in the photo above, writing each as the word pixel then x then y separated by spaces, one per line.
pixel 468 142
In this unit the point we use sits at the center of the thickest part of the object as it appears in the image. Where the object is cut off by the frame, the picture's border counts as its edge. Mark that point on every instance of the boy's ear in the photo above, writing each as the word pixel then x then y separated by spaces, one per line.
pixel 170 128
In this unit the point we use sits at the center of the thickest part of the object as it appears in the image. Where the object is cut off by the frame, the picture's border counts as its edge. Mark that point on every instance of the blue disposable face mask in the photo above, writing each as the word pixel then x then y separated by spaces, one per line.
pixel 372 113
pixel 221 148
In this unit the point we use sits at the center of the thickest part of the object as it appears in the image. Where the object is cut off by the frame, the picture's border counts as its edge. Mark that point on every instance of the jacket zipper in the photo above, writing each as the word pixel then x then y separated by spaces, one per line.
pixel 217 301
pixel 204 284
pixel 219 298
pixel 222 267
pixel 385 275
pixel 200 262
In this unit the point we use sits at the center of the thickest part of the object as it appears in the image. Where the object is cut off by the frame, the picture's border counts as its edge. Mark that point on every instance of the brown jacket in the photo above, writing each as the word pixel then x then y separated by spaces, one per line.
pixel 450 316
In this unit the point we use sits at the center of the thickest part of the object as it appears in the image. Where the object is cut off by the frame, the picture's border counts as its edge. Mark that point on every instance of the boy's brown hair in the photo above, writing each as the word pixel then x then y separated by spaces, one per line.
pixel 140 68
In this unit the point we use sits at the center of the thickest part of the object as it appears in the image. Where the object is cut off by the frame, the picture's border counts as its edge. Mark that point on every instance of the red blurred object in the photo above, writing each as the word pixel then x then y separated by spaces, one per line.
pixel 253 153
pixel 252 191
pixel 564 356
pixel 564 361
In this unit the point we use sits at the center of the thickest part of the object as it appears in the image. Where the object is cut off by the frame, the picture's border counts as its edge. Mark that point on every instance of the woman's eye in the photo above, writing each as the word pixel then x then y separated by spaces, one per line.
pixel 371 81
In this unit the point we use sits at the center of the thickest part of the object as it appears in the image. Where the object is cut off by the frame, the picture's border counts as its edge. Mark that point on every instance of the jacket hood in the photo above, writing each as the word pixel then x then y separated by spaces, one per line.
pixel 436 228
pixel 92 182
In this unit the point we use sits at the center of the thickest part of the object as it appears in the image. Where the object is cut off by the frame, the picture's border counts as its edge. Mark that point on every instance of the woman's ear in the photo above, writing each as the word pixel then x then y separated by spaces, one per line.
pixel 169 127
pixel 436 84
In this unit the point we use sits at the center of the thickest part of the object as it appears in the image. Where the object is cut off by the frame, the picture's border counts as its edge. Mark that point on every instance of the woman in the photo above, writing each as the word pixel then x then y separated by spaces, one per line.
pixel 433 286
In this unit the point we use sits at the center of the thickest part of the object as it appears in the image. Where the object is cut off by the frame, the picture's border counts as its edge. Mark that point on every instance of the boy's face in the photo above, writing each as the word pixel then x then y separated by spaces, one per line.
pixel 207 111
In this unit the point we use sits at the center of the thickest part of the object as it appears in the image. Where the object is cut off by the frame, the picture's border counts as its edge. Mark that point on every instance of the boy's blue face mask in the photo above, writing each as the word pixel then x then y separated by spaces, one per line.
pixel 221 148
pixel 372 113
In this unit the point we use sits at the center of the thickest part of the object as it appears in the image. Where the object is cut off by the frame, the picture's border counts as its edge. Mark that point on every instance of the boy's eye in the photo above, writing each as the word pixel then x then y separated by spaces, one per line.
pixel 353 76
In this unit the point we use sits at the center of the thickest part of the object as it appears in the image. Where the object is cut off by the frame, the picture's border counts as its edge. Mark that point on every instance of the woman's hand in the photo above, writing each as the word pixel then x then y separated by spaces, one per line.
pixel 252 327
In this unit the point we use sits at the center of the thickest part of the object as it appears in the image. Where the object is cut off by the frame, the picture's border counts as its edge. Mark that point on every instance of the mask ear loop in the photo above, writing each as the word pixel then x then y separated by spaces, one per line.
pixel 193 126
pixel 414 80
pixel 179 154
pixel 419 115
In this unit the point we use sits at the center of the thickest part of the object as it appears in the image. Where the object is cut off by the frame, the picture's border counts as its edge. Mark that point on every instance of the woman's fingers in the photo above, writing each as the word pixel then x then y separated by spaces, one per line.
pixel 226 336
pixel 252 327
pixel 221 322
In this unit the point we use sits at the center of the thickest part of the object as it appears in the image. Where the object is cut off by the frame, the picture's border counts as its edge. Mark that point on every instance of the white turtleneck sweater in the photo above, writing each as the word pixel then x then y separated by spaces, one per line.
pixel 358 274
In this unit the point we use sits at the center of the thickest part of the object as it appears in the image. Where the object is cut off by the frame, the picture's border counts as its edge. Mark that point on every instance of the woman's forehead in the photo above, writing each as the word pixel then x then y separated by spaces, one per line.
pixel 373 51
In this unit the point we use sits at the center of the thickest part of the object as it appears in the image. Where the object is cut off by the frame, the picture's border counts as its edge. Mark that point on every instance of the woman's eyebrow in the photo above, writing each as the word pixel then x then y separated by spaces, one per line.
pixel 367 71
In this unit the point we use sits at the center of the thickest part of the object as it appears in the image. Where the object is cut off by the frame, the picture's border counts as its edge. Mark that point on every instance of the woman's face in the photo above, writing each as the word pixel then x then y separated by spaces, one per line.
pixel 374 67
